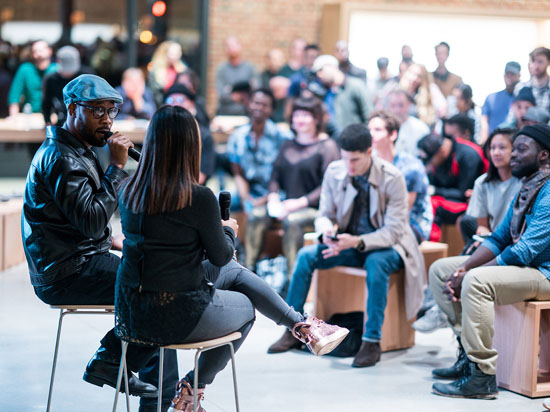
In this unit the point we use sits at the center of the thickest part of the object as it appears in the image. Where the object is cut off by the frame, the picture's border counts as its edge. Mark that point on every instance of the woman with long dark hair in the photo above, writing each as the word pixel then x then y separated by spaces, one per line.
pixel 165 292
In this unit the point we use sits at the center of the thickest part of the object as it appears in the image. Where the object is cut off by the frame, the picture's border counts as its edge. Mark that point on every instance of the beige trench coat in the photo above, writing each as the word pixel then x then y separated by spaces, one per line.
pixel 389 214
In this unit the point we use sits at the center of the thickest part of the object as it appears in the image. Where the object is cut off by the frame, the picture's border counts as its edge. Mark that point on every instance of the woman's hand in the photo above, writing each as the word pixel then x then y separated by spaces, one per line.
pixel 232 223
pixel 117 241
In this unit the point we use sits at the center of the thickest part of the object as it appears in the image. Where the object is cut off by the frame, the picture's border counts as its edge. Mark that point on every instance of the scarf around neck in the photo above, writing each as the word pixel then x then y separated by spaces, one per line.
pixel 524 201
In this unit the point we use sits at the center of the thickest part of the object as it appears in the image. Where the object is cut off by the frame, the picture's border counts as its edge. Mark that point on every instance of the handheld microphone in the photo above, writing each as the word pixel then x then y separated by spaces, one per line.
pixel 133 153
pixel 225 202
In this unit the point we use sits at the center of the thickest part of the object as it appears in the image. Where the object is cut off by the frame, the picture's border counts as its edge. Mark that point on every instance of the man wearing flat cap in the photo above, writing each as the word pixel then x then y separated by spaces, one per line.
pixel 69 201
pixel 512 265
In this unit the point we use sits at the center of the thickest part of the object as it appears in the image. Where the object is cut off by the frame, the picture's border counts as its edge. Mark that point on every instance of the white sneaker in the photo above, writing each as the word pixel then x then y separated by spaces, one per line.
pixel 432 320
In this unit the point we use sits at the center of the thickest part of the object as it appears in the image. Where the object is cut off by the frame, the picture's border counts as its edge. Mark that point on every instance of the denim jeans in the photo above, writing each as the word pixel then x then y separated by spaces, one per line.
pixel 379 264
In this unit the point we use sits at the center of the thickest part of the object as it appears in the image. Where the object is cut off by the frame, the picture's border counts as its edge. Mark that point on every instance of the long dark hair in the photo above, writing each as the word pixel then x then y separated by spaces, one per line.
pixel 169 164
pixel 509 132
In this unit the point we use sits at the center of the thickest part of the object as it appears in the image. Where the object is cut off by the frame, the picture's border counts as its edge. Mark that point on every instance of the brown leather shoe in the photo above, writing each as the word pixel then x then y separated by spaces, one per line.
pixel 285 343
pixel 368 354
pixel 183 401
pixel 320 337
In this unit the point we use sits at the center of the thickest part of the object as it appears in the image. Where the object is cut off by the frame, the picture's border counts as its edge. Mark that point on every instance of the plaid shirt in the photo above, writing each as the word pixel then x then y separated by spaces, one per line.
pixel 533 248
pixel 256 160
pixel 542 94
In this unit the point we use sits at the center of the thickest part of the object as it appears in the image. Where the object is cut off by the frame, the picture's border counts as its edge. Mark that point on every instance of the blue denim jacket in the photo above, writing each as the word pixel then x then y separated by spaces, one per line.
pixel 533 249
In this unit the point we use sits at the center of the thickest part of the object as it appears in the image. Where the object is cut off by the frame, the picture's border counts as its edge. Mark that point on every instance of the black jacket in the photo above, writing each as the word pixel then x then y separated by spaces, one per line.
pixel 68 204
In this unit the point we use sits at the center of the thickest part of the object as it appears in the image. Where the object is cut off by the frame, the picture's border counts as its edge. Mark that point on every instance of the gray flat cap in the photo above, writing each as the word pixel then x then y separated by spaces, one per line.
pixel 88 87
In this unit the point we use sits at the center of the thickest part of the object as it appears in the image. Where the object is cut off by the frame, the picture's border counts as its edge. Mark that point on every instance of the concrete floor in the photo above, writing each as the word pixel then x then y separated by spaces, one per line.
pixel 293 381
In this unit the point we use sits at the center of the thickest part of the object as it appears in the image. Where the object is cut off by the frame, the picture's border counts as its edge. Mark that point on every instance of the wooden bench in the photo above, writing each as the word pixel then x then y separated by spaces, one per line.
pixel 343 289
pixel 11 245
pixel 522 339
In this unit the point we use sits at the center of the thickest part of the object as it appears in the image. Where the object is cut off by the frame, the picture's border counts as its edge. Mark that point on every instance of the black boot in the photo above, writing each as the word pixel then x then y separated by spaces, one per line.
pixel 368 355
pixel 103 370
pixel 455 371
pixel 474 384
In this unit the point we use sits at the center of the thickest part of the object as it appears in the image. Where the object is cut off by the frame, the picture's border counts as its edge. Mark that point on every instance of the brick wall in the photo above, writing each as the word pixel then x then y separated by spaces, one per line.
pixel 264 24
pixel 260 25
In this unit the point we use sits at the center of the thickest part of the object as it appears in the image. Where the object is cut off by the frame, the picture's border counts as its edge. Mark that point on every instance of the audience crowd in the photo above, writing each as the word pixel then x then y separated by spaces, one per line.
pixel 376 163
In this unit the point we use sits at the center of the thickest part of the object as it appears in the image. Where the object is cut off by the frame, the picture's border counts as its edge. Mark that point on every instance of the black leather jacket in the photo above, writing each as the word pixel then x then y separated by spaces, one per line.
pixel 68 204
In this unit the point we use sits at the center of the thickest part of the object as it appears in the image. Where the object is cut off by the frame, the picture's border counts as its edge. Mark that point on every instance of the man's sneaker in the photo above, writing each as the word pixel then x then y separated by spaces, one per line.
pixel 432 320
pixel 473 384
pixel 183 401
pixel 458 369
pixel 285 343
pixel 320 337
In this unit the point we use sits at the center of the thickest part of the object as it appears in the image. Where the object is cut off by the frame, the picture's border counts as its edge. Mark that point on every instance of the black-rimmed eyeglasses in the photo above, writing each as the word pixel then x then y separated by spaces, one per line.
pixel 99 112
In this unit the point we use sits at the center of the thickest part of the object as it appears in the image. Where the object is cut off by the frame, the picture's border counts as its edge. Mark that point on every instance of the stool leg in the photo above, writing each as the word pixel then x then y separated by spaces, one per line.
pixel 122 370
pixel 234 375
pixel 196 379
pixel 161 375
pixel 55 352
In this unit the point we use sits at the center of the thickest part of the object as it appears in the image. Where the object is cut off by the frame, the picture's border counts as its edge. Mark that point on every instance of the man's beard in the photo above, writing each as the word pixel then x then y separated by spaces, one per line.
pixel 525 171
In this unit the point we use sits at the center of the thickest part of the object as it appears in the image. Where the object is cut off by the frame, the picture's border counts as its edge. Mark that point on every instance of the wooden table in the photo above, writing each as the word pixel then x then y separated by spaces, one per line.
pixel 25 128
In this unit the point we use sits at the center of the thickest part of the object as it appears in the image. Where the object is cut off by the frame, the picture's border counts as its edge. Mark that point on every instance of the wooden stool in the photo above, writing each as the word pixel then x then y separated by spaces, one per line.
pixel 433 251
pixel 522 339
pixel 65 310
pixel 343 289
pixel 11 247
pixel 199 347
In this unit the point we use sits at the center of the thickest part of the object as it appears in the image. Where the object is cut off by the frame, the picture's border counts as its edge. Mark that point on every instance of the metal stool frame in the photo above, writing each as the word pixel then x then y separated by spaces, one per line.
pixel 65 310
pixel 199 347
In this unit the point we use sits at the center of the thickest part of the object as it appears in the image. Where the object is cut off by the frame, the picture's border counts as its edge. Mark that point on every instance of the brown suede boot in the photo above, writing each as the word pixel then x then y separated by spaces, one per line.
pixel 183 401
pixel 368 354
pixel 285 343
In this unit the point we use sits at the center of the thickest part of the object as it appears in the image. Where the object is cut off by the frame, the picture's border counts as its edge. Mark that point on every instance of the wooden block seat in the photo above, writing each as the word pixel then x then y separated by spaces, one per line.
pixel 11 245
pixel 522 339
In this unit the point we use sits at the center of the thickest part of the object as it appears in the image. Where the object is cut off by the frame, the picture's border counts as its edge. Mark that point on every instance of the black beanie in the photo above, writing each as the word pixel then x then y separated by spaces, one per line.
pixel 539 133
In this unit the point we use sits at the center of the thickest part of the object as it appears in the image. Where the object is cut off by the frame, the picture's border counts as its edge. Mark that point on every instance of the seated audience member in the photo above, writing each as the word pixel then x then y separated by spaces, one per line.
pixel 139 102
pixel 512 265
pixel 465 105
pixel 493 191
pixel 301 78
pixel 452 169
pixel 497 105
pixel 231 72
pixel 240 100
pixel 190 80
pixel 341 52
pixel 384 129
pixel 376 85
pixel 275 60
pixel 444 79
pixel 345 97
pixel 252 150
pixel 461 128
pixel 296 59
pixel 429 104
pixel 179 95
pixel 68 67
pixel 279 87
pixel 522 102
pixel 190 299
pixel 295 184
pixel 166 63
pixel 412 129
pixel 539 60
pixel 366 198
